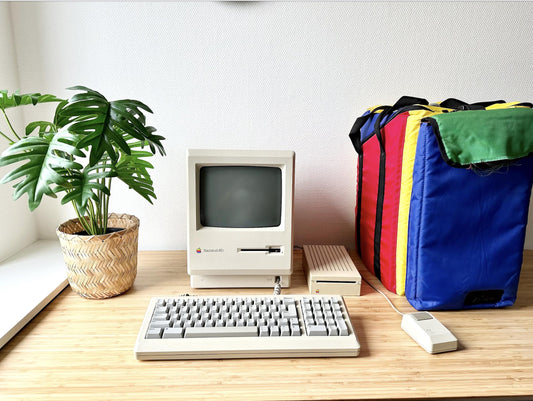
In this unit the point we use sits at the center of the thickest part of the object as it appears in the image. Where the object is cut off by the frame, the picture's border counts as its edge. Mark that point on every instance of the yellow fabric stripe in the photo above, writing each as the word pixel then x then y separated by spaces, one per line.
pixel 509 105
pixel 408 160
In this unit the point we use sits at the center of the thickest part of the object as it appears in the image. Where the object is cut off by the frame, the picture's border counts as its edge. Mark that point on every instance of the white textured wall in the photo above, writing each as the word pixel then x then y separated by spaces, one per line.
pixel 17 226
pixel 269 75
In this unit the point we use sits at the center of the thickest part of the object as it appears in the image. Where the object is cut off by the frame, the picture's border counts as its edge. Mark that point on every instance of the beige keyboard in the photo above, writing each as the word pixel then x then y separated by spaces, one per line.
pixel 214 327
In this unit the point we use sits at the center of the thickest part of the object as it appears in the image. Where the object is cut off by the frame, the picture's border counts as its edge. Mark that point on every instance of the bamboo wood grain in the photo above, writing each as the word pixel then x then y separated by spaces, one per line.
pixel 83 349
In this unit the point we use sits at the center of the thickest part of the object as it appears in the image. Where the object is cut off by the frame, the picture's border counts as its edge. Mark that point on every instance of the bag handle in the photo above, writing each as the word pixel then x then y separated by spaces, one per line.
pixel 452 103
pixel 355 132
pixel 404 101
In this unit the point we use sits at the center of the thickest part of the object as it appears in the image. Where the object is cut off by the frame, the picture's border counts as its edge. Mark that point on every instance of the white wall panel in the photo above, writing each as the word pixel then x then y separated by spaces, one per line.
pixel 288 75
pixel 17 224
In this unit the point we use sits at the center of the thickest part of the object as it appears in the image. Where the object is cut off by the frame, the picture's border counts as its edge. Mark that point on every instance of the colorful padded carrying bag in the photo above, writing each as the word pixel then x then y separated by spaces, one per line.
pixel 442 199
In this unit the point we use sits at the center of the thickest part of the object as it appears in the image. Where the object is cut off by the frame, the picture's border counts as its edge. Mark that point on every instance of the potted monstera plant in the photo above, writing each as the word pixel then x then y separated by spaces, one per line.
pixel 75 157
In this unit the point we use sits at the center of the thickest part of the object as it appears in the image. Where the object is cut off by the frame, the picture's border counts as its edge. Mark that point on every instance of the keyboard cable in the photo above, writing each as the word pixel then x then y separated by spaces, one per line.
pixel 277 286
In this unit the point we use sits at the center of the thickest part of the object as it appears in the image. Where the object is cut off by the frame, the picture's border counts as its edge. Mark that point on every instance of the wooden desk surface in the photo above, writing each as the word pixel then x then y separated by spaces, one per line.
pixel 83 350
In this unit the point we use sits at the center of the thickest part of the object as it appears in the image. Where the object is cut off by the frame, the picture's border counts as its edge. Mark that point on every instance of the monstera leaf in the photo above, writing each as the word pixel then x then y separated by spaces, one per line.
pixel 44 157
pixel 81 185
pixel 132 170
pixel 7 101
pixel 154 141
pixel 103 125
pixel 42 127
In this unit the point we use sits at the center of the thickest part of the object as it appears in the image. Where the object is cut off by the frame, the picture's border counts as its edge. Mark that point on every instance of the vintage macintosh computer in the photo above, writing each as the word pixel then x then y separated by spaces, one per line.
pixel 239 217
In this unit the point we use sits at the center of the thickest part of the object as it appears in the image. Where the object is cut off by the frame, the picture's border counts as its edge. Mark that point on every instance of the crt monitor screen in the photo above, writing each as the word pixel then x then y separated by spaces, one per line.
pixel 240 196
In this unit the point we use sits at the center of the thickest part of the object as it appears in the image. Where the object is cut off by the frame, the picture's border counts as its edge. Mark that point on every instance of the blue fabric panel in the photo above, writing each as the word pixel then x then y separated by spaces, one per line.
pixel 466 229
pixel 368 127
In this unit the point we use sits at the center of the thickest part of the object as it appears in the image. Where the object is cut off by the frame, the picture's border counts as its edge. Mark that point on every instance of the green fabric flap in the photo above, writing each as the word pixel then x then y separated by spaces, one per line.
pixel 482 136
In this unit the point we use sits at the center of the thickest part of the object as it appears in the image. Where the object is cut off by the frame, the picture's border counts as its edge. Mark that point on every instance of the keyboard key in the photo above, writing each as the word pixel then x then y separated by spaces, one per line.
pixel 316 330
pixel 173 332
pixel 343 329
pixel 160 316
pixel 154 333
pixel 274 331
pixel 245 331
pixel 160 324
pixel 332 331
pixel 291 312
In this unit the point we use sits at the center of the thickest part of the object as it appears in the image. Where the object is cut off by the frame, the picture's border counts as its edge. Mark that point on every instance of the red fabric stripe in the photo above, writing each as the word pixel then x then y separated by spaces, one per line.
pixel 394 134
pixel 369 200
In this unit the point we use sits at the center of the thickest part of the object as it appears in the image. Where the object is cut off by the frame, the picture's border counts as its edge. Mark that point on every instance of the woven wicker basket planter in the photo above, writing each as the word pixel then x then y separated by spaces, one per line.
pixel 101 266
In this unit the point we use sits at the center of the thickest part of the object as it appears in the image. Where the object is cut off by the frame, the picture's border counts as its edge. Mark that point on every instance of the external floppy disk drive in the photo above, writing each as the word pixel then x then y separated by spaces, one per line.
pixel 330 270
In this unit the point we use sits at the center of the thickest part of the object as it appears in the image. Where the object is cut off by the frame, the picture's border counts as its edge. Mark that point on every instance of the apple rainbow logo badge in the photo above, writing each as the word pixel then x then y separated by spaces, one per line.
pixel 198 250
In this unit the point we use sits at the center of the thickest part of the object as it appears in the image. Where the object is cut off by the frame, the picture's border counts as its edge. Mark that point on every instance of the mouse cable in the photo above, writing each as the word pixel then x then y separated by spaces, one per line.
pixel 384 296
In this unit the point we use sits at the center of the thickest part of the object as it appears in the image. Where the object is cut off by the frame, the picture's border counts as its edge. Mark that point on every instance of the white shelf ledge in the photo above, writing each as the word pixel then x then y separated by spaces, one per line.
pixel 29 280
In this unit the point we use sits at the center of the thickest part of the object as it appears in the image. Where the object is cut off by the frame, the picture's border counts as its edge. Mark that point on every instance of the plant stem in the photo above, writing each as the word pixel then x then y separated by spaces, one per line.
pixel 92 218
pixel 106 203
pixel 11 141
pixel 81 218
pixel 9 123
pixel 101 199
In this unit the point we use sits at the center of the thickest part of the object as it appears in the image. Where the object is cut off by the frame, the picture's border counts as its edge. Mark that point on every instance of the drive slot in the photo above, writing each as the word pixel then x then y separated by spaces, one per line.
pixel 262 250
